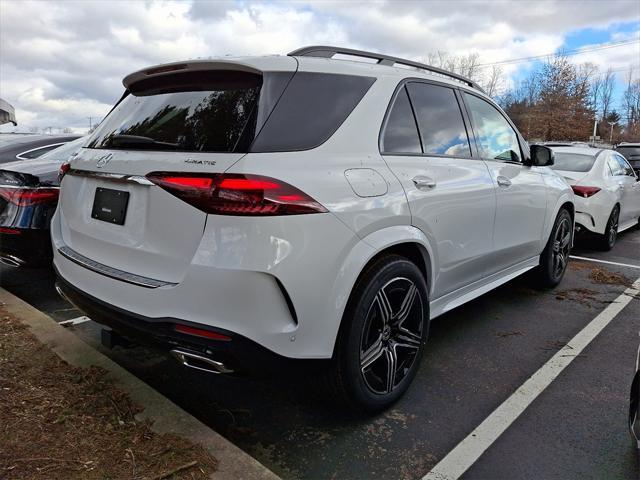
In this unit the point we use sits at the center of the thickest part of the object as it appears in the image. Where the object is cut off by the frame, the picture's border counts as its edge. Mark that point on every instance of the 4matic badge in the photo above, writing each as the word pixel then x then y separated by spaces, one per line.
pixel 200 162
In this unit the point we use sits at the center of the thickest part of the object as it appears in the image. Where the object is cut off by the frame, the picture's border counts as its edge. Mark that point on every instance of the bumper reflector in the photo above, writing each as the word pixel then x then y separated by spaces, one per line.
pixel 201 333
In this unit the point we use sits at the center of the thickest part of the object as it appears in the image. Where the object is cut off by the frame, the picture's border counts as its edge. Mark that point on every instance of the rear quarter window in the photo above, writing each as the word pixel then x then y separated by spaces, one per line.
pixel 312 108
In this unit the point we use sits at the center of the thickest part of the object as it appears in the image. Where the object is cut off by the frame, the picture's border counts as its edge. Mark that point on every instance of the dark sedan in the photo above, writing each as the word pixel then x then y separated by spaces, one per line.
pixel 15 147
pixel 29 192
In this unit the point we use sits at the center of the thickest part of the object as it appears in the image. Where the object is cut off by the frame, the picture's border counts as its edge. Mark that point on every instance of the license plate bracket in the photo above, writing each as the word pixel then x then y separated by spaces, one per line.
pixel 110 205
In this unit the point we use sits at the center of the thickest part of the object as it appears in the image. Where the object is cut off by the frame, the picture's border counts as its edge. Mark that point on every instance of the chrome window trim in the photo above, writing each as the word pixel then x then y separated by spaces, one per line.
pixel 116 177
pixel 20 157
pixel 110 272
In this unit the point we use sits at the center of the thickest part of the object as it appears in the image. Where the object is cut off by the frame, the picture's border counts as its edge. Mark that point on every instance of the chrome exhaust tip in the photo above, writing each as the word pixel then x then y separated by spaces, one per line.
pixel 60 292
pixel 198 362
pixel 11 261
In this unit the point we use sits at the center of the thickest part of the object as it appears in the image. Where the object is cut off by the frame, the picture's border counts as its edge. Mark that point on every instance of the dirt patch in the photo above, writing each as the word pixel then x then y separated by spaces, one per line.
pixel 506 334
pixel 577 265
pixel 584 296
pixel 62 422
pixel 600 275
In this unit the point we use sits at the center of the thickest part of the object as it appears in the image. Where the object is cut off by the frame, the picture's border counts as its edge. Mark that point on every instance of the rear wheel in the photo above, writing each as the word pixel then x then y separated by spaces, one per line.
pixel 382 338
pixel 607 241
pixel 555 256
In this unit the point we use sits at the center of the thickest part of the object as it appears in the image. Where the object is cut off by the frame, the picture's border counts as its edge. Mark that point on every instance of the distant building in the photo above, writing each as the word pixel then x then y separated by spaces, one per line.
pixel 7 113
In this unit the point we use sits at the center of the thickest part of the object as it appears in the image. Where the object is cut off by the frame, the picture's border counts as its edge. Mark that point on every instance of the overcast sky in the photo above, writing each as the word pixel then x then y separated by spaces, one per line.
pixel 61 62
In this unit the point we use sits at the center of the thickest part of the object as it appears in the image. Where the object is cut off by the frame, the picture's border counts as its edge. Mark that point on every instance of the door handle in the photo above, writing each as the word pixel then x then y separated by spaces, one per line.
pixel 503 181
pixel 424 183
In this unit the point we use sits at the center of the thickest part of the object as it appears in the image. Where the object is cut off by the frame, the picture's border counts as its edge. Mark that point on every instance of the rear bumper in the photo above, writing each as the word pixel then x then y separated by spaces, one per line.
pixel 239 353
pixel 592 213
pixel 280 282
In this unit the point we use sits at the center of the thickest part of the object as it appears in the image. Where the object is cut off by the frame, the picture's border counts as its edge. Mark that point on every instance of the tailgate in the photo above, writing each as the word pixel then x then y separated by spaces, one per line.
pixel 159 233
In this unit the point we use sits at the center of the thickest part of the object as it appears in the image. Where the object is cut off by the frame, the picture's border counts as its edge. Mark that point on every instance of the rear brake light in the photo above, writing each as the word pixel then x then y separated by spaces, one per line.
pixel 198 332
pixel 584 192
pixel 10 231
pixel 235 194
pixel 25 197
pixel 64 168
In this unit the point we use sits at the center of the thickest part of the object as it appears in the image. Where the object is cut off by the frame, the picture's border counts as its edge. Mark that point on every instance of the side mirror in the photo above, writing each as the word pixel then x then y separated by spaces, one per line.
pixel 541 156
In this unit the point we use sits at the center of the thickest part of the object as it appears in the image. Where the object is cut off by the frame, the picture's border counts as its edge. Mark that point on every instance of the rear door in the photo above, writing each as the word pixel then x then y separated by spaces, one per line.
pixel 521 193
pixel 192 122
pixel 450 194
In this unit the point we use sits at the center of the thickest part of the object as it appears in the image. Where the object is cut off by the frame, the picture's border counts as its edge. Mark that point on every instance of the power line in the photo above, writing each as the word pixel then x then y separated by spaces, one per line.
pixel 577 51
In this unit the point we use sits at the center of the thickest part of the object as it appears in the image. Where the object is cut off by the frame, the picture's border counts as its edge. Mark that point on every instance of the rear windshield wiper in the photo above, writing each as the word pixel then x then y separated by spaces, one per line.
pixel 139 141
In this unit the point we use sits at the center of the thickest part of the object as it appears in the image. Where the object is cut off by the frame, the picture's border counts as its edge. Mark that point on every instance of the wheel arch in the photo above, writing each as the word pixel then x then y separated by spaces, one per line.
pixel 406 241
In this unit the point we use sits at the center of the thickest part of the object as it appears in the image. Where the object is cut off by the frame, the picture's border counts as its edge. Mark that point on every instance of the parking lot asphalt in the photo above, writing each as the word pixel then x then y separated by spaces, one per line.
pixel 477 356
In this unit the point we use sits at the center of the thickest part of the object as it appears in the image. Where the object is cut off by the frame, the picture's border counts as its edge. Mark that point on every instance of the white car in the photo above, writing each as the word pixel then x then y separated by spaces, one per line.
pixel 258 210
pixel 607 191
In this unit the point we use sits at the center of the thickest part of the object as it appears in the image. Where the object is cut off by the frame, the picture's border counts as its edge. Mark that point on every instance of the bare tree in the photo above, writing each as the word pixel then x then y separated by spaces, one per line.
pixel 606 96
pixel 493 82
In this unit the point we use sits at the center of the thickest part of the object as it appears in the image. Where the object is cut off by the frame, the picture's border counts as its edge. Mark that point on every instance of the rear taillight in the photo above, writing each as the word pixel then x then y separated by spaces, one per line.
pixel 584 192
pixel 25 197
pixel 62 171
pixel 235 194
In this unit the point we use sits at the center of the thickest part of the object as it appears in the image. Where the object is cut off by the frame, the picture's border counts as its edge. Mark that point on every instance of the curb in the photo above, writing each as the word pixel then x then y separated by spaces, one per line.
pixel 164 415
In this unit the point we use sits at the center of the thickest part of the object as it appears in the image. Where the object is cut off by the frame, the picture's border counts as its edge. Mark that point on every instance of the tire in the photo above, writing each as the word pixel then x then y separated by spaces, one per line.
pixel 607 241
pixel 371 344
pixel 555 256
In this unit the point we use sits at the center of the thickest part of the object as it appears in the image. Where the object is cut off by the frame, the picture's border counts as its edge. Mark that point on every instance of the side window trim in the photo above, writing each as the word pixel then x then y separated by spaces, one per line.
pixel 415 117
pixel 21 155
pixel 467 123
pixel 507 119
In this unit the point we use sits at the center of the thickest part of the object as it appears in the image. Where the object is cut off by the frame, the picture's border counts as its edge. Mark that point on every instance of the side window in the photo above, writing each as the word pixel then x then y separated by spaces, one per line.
pixel 495 137
pixel 624 165
pixel 614 166
pixel 401 133
pixel 439 120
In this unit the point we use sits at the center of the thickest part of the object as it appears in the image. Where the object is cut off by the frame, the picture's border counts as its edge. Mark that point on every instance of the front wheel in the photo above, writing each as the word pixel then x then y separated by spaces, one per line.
pixel 383 334
pixel 555 256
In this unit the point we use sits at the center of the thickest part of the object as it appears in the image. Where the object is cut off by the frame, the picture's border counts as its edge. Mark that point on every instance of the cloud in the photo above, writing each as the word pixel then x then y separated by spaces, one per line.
pixel 62 62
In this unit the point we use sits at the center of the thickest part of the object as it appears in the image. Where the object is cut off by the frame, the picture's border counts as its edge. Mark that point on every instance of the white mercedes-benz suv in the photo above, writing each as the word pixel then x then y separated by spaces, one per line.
pixel 245 212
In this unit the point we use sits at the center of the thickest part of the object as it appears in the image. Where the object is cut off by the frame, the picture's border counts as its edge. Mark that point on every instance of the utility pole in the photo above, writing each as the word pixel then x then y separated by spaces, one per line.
pixel 90 125
pixel 611 134
pixel 595 126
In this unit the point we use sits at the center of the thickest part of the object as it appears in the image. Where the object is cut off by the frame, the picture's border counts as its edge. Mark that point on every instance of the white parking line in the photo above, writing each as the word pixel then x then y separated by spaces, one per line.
pixel 75 321
pixel 604 261
pixel 467 452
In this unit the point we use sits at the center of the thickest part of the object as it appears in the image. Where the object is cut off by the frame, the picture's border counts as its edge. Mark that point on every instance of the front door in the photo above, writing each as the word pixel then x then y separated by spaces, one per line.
pixel 521 194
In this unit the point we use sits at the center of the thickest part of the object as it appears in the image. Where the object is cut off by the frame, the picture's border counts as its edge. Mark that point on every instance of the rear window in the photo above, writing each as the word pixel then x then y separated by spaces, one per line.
pixel 205 112
pixel 572 162
pixel 630 153
pixel 228 111
pixel 401 132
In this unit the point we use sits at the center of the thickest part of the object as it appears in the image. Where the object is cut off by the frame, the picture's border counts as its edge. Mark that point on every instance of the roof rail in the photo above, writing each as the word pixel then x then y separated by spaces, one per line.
pixel 323 51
